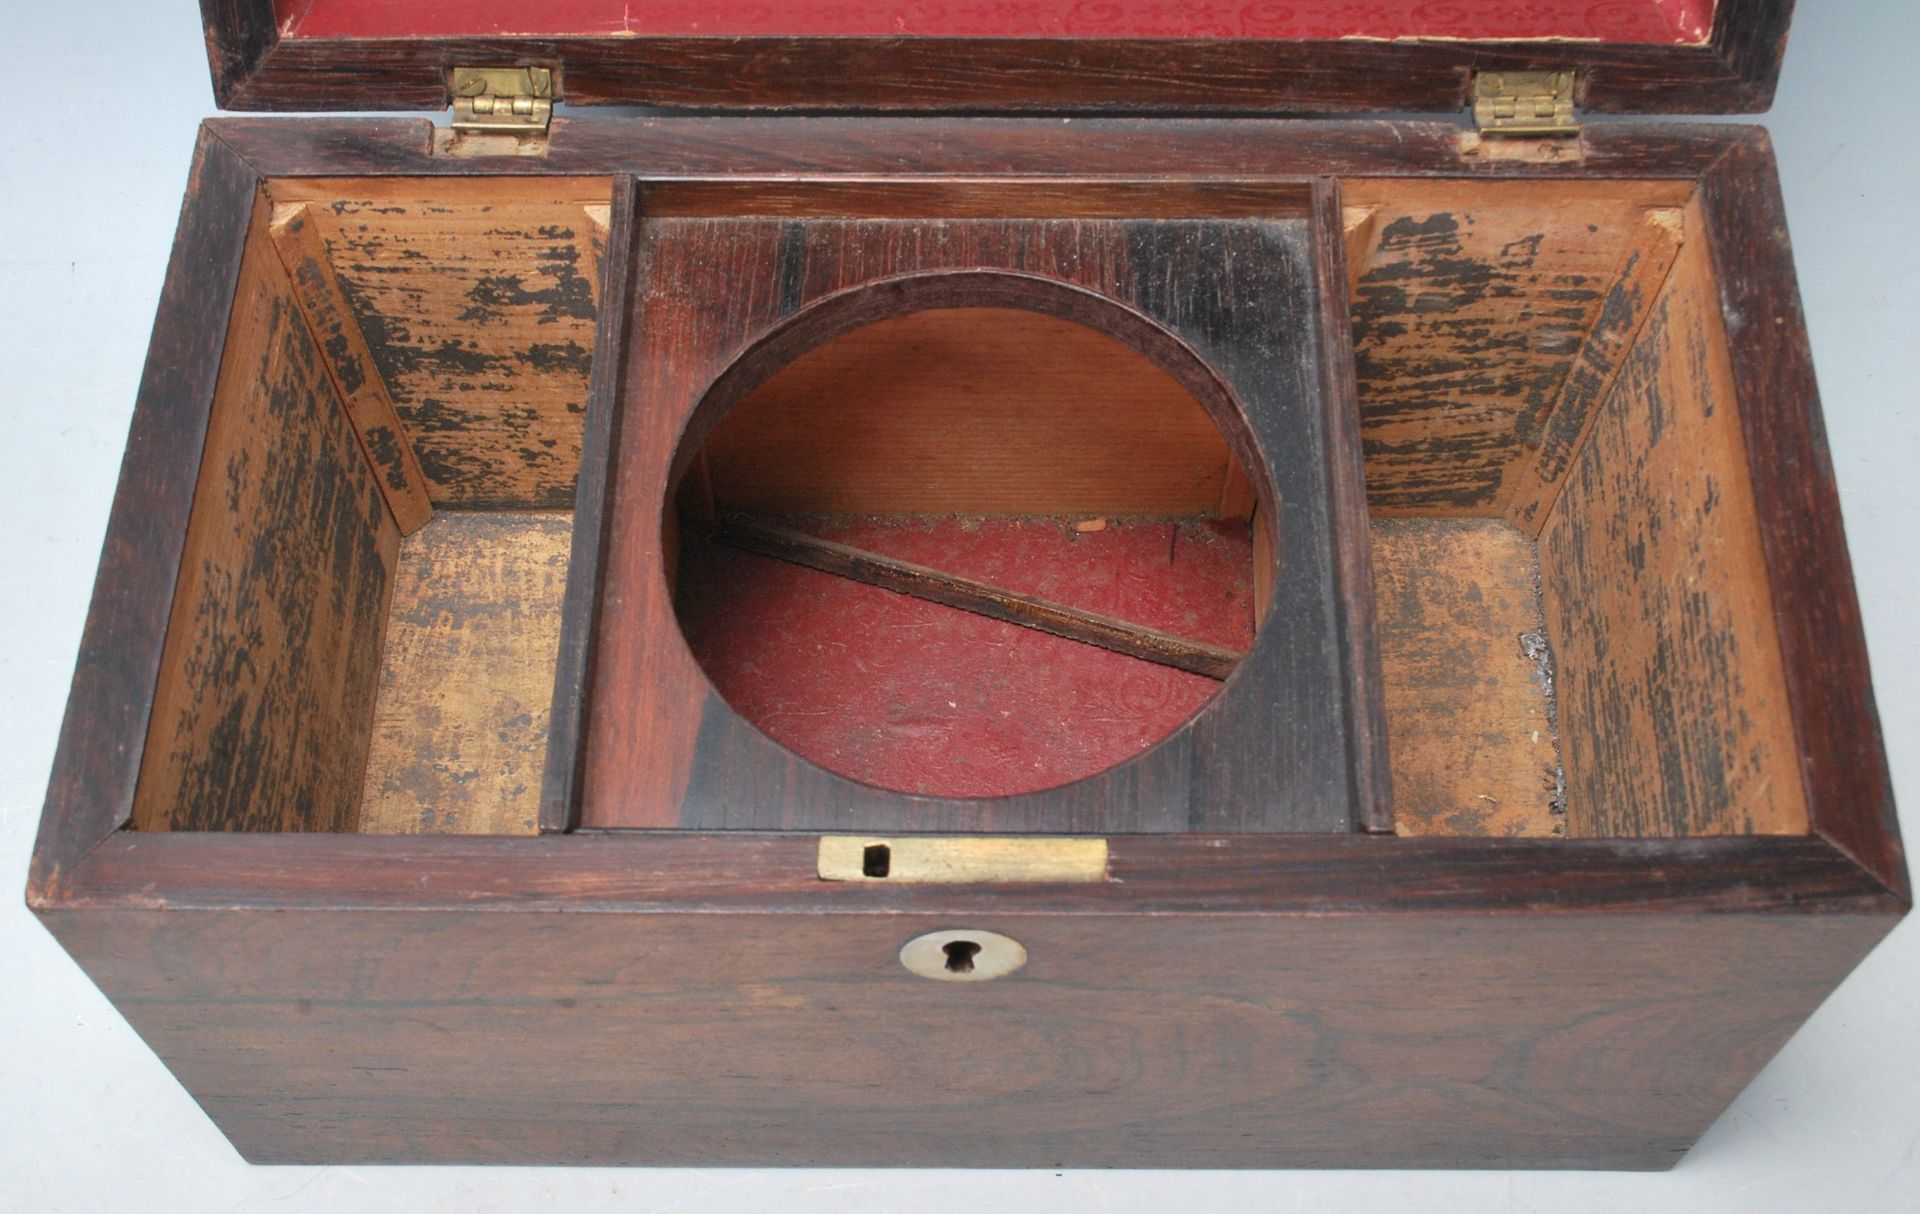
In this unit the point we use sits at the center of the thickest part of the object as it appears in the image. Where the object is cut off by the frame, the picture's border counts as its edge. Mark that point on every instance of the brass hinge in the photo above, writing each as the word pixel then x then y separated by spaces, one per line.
pixel 1524 104
pixel 502 100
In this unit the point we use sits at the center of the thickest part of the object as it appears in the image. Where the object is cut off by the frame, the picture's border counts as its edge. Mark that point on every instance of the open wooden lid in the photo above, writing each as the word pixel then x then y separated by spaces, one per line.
pixel 1140 56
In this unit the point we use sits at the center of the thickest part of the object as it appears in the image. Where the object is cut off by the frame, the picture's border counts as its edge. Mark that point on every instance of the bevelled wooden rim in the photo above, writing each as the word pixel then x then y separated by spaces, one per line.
pixel 1851 864
pixel 255 68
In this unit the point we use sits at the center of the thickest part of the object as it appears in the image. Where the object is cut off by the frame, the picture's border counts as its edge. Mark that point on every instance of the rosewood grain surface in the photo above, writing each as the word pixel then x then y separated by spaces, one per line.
pixel 1269 753
pixel 1246 873
pixel 1822 642
pixel 1516 1001
pixel 459 729
pixel 1672 702
pixel 1137 196
pixel 1734 71
pixel 266 686
pixel 592 519
pixel 1594 1040
pixel 240 33
pixel 670 149
pixel 1347 517
pixel 97 764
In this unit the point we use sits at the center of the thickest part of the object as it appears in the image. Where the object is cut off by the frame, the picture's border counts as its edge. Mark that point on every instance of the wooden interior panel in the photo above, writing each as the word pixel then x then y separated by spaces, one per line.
pixel 477 310
pixel 272 657
pixel 980 411
pixel 460 725
pixel 1471 301
pixel 1672 705
pixel 664 750
pixel 1467 679
pixel 1623 310
pixel 344 352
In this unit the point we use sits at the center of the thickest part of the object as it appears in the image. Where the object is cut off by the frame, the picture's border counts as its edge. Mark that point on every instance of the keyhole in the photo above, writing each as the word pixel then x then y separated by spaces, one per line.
pixel 876 860
pixel 960 955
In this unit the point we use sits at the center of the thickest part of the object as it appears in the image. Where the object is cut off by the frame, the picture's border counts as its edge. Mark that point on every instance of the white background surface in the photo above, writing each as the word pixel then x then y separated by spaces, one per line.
pixel 102 118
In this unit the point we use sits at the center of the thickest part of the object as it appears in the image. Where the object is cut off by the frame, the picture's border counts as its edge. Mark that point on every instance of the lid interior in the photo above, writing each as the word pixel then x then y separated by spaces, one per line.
pixel 1639 22
pixel 1142 57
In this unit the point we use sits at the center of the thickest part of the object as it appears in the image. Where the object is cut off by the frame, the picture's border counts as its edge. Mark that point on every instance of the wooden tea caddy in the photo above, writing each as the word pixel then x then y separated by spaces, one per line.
pixel 394 813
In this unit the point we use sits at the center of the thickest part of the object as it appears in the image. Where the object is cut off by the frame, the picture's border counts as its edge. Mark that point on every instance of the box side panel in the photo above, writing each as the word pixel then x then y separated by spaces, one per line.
pixel 265 695
pixel 1127 1040
pixel 477 302
pixel 1673 708
pixel 91 790
pixel 1823 645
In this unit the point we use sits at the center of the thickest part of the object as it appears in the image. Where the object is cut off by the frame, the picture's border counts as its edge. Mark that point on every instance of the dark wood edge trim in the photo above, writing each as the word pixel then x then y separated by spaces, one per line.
pixel 241 35
pixel 1733 72
pixel 103 736
pixel 1352 536
pixel 1750 37
pixel 1822 640
pixel 1247 150
pixel 653 871
pixel 566 731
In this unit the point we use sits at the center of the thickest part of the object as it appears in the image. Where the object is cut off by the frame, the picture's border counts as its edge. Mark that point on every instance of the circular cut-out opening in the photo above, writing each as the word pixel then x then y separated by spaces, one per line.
pixel 967 552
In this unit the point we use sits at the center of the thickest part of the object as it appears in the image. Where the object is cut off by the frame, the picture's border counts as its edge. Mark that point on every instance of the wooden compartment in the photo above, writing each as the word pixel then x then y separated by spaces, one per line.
pixel 1210 300
pixel 366 628
pixel 1574 616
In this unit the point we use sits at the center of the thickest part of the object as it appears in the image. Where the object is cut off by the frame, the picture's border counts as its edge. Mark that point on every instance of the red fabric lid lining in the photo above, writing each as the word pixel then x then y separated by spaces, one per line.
pixel 1644 22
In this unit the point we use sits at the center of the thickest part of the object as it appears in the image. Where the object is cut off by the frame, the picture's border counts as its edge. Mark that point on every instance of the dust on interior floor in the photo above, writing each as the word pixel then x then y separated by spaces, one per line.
pixel 466 682
pixel 1467 679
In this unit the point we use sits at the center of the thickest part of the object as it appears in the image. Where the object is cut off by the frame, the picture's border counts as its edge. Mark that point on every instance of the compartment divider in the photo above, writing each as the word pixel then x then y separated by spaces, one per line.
pixel 572 684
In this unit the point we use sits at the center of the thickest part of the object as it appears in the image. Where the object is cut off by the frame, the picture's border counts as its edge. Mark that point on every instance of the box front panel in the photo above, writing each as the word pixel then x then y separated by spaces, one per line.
pixel 1126 1040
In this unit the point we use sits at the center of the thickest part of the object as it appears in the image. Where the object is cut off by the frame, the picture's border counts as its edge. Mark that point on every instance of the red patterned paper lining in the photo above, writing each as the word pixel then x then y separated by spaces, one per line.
pixel 1636 21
